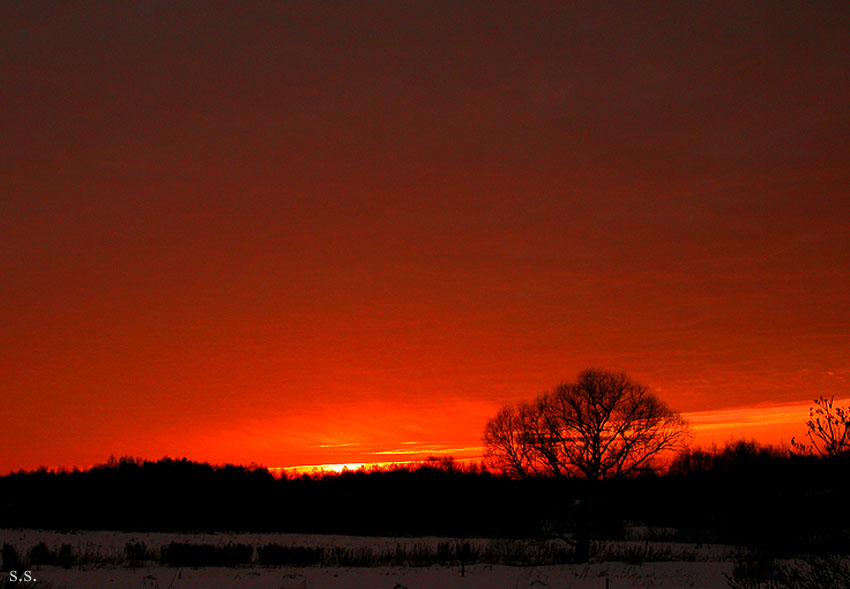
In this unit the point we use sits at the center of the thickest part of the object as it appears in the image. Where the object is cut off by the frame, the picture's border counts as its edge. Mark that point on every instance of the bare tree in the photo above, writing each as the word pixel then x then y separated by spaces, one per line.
pixel 829 430
pixel 603 426
pixel 504 447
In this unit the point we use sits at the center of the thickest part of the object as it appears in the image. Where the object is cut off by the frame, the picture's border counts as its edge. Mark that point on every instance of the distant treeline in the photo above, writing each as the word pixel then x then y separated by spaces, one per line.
pixel 743 493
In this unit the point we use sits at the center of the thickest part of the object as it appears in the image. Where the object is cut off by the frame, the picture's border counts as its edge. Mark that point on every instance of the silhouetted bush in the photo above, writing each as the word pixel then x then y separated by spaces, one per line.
pixel 640 553
pixel 517 552
pixel 137 554
pixel 275 554
pixel 65 556
pixel 758 569
pixel 11 559
pixel 754 569
pixel 816 572
pixel 353 557
pixel 41 555
pixel 200 555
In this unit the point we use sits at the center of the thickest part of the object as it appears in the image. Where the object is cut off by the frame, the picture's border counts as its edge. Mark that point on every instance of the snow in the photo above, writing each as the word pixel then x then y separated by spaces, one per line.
pixel 674 565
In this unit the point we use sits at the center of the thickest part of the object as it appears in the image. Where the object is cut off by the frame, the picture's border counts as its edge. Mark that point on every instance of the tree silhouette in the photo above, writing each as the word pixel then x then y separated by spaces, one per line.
pixel 829 430
pixel 604 426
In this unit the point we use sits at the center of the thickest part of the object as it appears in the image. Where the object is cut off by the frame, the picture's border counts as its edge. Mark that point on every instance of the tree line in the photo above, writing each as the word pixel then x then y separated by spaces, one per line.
pixel 575 464
pixel 743 493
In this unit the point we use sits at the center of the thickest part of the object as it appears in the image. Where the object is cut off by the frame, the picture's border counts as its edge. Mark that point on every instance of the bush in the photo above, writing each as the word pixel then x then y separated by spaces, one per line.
pixel 65 557
pixel 754 569
pixel 354 557
pixel 183 554
pixel 11 560
pixel 137 554
pixel 301 556
pixel 42 555
pixel 638 554
pixel 815 572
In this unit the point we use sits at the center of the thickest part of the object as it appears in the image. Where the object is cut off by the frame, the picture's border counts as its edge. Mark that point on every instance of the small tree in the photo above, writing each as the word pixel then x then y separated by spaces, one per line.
pixel 828 430
pixel 504 447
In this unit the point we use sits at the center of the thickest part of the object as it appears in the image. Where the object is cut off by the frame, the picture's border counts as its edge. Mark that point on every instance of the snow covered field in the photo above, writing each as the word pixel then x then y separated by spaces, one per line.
pixel 101 562
pixel 618 575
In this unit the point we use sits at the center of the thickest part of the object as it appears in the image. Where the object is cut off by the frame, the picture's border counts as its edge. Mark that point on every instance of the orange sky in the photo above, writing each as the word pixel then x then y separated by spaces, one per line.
pixel 308 233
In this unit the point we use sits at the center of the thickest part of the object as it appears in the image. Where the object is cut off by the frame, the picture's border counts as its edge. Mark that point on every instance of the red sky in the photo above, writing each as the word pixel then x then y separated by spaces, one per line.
pixel 307 233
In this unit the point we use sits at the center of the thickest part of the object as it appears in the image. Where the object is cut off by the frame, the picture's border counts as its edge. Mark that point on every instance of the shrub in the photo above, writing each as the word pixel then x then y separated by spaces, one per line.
pixel 640 553
pixel 198 555
pixel 42 555
pixel 137 553
pixel 275 554
pixel 11 560
pixel 65 557
pixel 754 569
pixel 354 557
pixel 815 572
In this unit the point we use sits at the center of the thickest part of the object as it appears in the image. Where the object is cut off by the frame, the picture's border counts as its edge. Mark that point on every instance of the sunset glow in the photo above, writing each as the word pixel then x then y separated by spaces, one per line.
pixel 341 235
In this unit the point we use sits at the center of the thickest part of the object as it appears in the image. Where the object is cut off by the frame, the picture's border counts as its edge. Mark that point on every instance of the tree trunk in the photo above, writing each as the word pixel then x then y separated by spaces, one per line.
pixel 582 552
pixel 585 517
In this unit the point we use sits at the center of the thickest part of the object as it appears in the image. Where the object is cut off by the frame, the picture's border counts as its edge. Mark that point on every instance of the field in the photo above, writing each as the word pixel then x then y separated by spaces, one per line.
pixel 103 559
